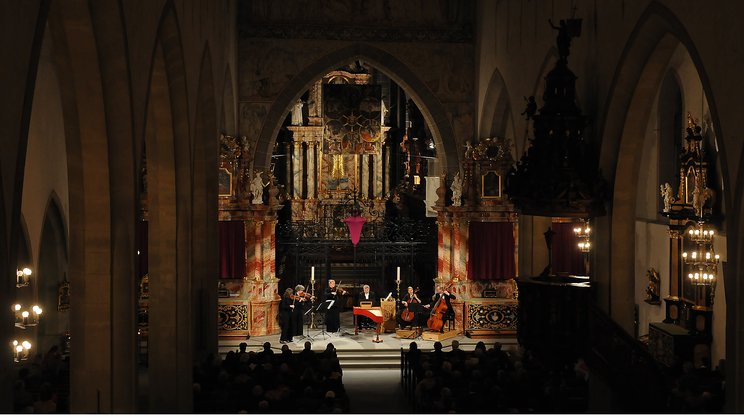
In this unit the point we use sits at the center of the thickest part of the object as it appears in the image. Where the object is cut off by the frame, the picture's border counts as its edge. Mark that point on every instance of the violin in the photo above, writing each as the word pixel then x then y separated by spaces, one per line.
pixel 408 314
pixel 302 296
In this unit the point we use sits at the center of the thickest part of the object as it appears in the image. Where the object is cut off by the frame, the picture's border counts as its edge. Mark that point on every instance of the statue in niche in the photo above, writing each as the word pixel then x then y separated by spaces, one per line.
pixel 653 295
pixel 457 190
pixel 468 150
pixel 697 196
pixel 297 112
pixel 383 112
pixel 667 193
pixel 257 187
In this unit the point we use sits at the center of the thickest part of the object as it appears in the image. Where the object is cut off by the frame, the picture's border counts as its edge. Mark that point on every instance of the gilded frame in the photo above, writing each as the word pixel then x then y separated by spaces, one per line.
pixel 225 181
pixel 491 185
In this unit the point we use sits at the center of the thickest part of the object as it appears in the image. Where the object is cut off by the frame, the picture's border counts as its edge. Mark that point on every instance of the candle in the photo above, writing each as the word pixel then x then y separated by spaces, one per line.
pixel 312 273
pixel 398 277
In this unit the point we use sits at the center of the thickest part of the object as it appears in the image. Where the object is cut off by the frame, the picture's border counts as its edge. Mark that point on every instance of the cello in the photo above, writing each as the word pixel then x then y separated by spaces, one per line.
pixel 436 319
pixel 408 314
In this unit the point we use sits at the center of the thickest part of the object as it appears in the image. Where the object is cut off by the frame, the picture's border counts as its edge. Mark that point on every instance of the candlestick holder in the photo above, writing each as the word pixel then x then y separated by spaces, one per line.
pixel 312 293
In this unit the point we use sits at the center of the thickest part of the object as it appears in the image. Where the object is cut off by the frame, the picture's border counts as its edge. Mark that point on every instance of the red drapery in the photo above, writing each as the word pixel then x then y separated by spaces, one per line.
pixel 567 258
pixel 491 251
pixel 232 249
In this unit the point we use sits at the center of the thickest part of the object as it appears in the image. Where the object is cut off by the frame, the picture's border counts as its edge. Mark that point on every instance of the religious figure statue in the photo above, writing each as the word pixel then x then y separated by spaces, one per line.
pixel 531 108
pixel 257 186
pixel 668 195
pixel 297 112
pixel 652 291
pixel 468 150
pixel 699 196
pixel 565 33
pixel 456 190
pixel 383 112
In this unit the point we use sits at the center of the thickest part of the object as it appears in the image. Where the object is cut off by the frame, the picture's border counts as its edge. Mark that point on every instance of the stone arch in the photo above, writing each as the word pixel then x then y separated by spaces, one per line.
pixel 51 269
pixel 434 113
pixel 170 204
pixel 639 75
pixel 80 76
pixel 228 118
pixel 205 255
pixel 497 117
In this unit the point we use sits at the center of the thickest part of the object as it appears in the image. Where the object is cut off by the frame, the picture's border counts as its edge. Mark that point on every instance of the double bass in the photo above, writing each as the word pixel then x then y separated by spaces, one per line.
pixel 408 314
pixel 436 319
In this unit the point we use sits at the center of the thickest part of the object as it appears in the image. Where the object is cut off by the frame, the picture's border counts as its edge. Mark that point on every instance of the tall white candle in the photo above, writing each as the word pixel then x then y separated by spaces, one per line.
pixel 312 273
pixel 398 278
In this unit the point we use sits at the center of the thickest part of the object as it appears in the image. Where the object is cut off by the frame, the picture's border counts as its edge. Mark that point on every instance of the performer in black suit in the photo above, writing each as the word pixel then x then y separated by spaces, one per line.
pixel 447 296
pixel 333 319
pixel 302 304
pixel 365 294
pixel 286 307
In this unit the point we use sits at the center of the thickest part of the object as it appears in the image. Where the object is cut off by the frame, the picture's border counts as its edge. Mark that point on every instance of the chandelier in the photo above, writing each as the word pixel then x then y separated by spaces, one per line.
pixel 583 233
pixel 701 262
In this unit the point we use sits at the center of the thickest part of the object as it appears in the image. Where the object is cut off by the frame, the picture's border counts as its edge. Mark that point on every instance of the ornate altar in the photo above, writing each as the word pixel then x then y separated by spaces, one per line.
pixel 693 264
pixel 486 300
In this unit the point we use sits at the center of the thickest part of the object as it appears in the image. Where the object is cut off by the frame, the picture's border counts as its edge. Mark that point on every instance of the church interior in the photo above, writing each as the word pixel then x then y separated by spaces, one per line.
pixel 312 206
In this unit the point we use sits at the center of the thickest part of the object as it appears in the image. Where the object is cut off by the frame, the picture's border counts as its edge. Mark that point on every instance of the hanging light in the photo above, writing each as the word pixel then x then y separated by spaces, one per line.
pixel 23 277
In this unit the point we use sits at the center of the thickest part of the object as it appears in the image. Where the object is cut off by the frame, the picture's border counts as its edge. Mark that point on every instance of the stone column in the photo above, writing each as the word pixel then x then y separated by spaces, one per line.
pixel 364 179
pixel 377 162
pixel 297 159
pixel 311 170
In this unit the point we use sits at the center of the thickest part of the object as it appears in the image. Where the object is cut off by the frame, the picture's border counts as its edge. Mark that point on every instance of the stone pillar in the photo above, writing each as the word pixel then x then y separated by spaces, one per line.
pixel 297 159
pixel 311 170
pixel 364 185
pixel 290 179
pixel 377 162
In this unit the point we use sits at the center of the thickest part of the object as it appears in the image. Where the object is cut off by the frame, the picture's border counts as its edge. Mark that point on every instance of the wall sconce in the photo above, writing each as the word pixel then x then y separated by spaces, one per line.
pixel 21 350
pixel 25 319
pixel 23 277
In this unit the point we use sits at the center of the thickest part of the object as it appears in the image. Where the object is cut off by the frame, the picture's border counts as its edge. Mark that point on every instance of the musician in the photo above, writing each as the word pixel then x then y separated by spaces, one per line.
pixel 412 302
pixel 366 294
pixel 302 304
pixel 333 318
pixel 447 296
pixel 286 307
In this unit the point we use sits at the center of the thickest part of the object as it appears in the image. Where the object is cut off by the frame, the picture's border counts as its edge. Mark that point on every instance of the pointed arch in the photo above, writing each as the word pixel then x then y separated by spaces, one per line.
pixel 205 255
pixel 50 271
pixel 170 148
pixel 228 118
pixel 497 118
pixel 635 85
pixel 434 113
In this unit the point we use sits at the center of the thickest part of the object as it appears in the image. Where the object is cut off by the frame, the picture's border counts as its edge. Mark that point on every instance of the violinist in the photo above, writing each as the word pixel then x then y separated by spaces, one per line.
pixel 302 303
pixel 447 296
pixel 286 307
pixel 410 302
pixel 333 317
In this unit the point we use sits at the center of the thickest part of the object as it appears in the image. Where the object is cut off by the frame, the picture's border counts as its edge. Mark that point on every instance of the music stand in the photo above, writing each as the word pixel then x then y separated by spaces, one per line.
pixel 322 308
pixel 309 323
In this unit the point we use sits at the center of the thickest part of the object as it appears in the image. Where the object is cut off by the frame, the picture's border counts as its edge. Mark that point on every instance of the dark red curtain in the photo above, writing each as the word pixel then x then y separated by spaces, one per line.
pixel 491 251
pixel 141 248
pixel 232 249
pixel 567 258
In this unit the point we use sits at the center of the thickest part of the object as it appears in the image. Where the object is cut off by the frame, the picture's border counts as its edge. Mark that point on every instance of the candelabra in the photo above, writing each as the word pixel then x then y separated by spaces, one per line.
pixel 25 319
pixel 21 350
pixel 397 284
pixel 701 262
pixel 312 293
pixel 585 245
pixel 22 277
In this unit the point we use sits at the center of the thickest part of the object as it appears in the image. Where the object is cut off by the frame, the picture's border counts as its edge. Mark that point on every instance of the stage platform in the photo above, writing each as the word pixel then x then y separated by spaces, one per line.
pixel 358 351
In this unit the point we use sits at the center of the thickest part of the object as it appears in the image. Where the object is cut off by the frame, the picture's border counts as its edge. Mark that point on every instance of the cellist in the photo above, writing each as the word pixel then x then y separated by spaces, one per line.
pixel 447 296
pixel 410 302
